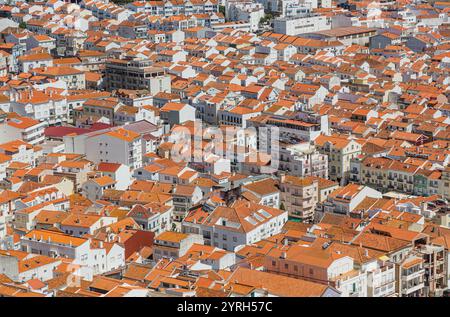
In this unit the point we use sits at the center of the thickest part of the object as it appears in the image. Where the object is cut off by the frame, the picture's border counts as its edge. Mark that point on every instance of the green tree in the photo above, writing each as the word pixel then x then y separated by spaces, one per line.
pixel 22 25
pixel 267 17
pixel 222 10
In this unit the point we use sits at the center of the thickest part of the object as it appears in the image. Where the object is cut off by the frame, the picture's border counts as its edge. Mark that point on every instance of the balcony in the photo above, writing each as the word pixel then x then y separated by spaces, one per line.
pixel 413 275
pixel 413 288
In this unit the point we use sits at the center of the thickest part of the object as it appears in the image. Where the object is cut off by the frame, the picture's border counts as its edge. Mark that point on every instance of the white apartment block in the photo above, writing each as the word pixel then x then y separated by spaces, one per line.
pixel 301 24
pixel 168 8
pixel 256 222
pixel 44 106
pixel 83 251
pixel 24 128
pixel 245 11
pixel 112 146
pixel 302 160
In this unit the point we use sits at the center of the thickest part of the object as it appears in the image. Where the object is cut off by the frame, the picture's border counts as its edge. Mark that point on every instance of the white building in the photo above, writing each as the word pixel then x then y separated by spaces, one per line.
pixel 93 254
pixel 22 128
pixel 345 199
pixel 46 106
pixel 120 173
pixel 301 24
pixel 242 223
pixel 116 145
pixel 94 188
pixel 21 267
pixel 173 245
pixel 245 11
pixel 80 224
pixel 302 160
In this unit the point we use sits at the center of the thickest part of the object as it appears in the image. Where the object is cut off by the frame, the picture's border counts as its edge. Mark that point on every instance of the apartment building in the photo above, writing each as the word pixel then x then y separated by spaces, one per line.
pixel 302 160
pixel 299 196
pixel 24 128
pixel 340 151
pixel 132 30
pixel 264 192
pixel 116 145
pixel 27 63
pixel 318 263
pixel 99 257
pixel 444 185
pixel 106 10
pixel 184 198
pixel 385 174
pixel 242 223
pixel 381 278
pixel 80 225
pixel 345 199
pixel 47 106
pixel 411 277
pixel 168 8
pixel 173 245
pixel 176 113
pixel 93 189
pixel 300 24
pixel 305 127
pixel 120 173
pixel 136 75
pixel 75 170
pixel 436 268
pixel 245 11
pixel 153 217
pixel 74 78
pixel 103 108
pixel 21 267
pixel 237 116
pixel 20 151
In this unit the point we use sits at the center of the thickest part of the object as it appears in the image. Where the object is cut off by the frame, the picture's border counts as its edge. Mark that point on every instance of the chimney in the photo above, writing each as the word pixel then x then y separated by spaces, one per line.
pixel 283 255
pixel 366 253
